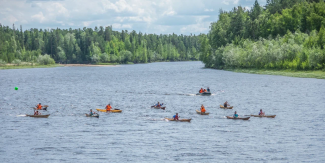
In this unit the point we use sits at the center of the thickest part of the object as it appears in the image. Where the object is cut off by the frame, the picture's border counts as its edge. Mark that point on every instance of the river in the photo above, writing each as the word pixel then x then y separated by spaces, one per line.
pixel 140 134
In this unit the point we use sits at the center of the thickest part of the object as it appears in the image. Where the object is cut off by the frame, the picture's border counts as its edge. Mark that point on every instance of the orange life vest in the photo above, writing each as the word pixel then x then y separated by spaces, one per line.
pixel 202 109
pixel 39 107
pixel 108 108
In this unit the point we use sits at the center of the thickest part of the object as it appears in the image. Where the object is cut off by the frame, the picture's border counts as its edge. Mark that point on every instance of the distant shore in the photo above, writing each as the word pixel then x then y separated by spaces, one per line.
pixel 319 74
pixel 11 66
pixel 29 65
pixel 86 65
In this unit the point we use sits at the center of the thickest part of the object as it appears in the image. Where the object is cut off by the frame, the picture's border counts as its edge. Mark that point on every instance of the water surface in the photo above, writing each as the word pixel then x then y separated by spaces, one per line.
pixel 140 134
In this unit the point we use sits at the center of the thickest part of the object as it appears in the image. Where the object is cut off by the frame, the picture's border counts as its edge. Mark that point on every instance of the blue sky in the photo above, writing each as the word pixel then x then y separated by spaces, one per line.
pixel 147 16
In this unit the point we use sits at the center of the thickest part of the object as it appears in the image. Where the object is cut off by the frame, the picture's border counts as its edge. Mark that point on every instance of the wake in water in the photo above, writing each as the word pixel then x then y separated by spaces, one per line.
pixel 21 115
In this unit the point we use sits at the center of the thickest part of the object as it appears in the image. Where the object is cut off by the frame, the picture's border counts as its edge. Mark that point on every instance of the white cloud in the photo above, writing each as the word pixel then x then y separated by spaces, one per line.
pixel 227 2
pixel 208 10
pixel 169 12
pixel 39 17
pixel 122 26
pixel 147 16
pixel 87 23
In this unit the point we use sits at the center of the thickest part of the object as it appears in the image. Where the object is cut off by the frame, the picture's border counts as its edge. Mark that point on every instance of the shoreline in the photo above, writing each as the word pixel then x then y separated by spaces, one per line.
pixel 318 74
pixel 9 66
pixel 86 65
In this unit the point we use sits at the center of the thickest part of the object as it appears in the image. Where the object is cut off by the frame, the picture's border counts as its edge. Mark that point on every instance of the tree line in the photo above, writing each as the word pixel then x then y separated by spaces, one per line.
pixel 281 35
pixel 89 45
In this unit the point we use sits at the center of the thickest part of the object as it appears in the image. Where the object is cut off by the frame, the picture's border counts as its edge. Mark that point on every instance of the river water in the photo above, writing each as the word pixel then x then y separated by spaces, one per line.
pixel 140 134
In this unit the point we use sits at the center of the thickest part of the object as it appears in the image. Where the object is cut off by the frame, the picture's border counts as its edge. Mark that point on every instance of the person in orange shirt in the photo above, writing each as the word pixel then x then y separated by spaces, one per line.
pixel 39 106
pixel 202 109
pixel 108 107
pixel 201 90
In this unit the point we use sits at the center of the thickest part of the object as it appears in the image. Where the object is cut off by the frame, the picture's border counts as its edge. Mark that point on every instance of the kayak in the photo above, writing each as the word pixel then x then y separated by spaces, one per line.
pixel 267 116
pixel 246 118
pixel 94 115
pixel 180 120
pixel 38 116
pixel 40 109
pixel 112 111
pixel 202 113
pixel 204 94
pixel 229 107
pixel 163 108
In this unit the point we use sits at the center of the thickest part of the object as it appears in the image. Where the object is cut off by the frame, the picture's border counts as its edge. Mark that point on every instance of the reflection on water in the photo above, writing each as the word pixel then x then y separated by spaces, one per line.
pixel 141 134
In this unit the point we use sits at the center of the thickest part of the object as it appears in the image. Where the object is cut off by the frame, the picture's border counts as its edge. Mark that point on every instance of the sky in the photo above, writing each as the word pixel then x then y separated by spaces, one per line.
pixel 146 16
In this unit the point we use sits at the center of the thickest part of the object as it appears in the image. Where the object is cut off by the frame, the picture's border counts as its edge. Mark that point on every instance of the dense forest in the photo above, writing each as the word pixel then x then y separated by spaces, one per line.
pixel 98 45
pixel 284 34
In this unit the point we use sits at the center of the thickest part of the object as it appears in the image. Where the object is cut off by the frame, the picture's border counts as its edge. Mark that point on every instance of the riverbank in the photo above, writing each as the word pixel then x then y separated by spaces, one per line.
pixel 10 66
pixel 88 65
pixel 300 74
pixel 23 66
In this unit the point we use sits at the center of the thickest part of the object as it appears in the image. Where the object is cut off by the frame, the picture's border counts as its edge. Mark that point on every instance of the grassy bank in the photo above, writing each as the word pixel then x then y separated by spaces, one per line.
pixel 27 66
pixel 300 74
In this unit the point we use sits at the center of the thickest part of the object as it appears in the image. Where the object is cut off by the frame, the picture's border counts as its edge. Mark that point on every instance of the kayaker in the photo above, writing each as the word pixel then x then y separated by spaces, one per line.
pixel 205 90
pixel 201 90
pixel 208 89
pixel 37 113
pixel 91 112
pixel 235 115
pixel 226 104
pixel 176 117
pixel 158 104
pixel 39 106
pixel 108 107
pixel 261 113
pixel 202 109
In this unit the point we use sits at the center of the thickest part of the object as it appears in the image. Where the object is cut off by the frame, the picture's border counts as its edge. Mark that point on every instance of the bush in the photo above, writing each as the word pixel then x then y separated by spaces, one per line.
pixel 104 58
pixel 45 60
pixel 16 62
pixel 125 56
pixel 95 58
pixel 2 62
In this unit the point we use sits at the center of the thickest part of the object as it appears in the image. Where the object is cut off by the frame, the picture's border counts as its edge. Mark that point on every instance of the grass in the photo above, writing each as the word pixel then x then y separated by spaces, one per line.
pixel 318 74
pixel 27 66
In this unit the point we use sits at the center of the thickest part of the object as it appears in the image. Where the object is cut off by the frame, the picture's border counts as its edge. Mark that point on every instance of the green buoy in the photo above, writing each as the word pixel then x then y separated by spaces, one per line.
pixel 16 88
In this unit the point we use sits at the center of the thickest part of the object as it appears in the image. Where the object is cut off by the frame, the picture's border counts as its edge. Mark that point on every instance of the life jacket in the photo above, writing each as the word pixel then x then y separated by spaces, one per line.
pixel 176 117
pixel 202 109
pixel 39 107
pixel 205 90
pixel 108 108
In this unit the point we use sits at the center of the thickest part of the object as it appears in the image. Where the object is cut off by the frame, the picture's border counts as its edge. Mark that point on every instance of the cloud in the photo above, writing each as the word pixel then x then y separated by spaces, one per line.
pixel 166 17
pixel 39 17
pixel 208 10
pixel 122 26
pixel 227 2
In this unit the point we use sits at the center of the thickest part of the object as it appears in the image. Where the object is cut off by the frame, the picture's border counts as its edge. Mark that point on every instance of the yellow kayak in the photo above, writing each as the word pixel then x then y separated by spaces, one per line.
pixel 112 111
pixel 229 107
pixel 202 113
